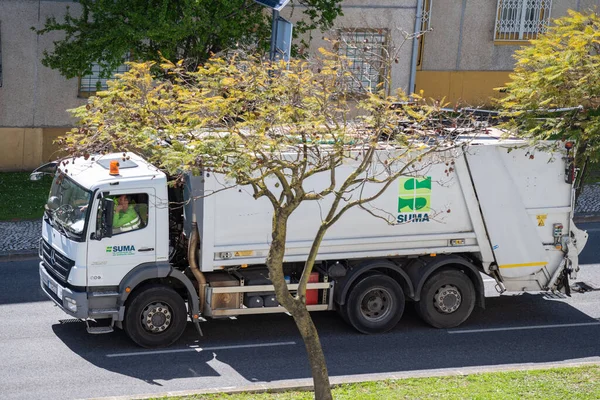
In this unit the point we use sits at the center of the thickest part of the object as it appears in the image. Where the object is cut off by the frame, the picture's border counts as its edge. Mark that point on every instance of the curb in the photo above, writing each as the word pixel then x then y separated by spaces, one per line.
pixel 307 384
pixel 18 255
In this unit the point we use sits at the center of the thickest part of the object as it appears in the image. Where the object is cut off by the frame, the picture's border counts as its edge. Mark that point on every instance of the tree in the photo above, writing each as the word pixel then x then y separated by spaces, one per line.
pixel 190 30
pixel 271 128
pixel 560 69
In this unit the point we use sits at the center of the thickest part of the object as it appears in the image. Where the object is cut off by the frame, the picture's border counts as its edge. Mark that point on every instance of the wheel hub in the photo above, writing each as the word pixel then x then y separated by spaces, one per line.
pixel 156 317
pixel 447 299
pixel 376 304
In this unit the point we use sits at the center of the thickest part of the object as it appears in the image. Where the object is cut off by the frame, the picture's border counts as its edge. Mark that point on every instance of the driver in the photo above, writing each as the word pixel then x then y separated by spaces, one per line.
pixel 125 217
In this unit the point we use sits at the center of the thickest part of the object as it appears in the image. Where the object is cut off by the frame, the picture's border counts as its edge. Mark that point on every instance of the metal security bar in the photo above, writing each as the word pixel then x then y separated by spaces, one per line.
pixel 90 84
pixel 425 27
pixel 367 51
pixel 521 20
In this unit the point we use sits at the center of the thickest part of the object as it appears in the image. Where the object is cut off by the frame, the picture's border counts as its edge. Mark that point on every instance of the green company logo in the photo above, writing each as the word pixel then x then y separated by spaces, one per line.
pixel 121 250
pixel 414 199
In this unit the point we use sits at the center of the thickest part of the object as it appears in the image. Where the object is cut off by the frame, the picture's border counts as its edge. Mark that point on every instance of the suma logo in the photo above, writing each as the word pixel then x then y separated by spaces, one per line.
pixel 414 199
pixel 121 250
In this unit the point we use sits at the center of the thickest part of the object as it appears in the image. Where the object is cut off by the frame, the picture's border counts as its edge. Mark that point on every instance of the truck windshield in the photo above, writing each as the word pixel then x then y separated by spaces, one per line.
pixel 68 205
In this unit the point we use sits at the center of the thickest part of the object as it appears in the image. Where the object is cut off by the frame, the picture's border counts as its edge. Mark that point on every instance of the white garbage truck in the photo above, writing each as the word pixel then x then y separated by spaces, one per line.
pixel 501 208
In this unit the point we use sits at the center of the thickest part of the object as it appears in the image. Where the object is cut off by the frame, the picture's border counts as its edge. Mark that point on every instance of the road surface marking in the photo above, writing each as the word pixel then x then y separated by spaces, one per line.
pixel 518 328
pixel 200 349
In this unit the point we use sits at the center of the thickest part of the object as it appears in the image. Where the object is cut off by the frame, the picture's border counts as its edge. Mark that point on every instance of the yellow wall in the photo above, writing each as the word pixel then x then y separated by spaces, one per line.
pixel 24 149
pixel 467 88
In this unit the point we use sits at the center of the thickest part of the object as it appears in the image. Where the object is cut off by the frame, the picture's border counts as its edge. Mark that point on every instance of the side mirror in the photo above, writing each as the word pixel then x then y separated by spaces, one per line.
pixel 106 219
pixel 36 176
pixel 53 203
pixel 46 169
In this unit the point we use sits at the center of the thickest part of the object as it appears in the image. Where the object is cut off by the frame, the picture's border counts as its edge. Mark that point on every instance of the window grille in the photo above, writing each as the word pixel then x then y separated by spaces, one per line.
pixel 90 84
pixel 425 27
pixel 366 49
pixel 426 16
pixel 522 19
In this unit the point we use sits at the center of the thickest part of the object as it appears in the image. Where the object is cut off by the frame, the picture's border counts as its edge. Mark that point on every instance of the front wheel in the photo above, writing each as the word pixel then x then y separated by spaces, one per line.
pixel 375 304
pixel 447 299
pixel 155 316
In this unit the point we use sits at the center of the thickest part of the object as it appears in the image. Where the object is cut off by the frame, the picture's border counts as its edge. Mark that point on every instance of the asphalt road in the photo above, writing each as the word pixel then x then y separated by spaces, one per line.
pixel 45 355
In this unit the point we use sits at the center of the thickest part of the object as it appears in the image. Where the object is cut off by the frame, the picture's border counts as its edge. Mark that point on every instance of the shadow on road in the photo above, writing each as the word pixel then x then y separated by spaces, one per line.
pixel 20 282
pixel 412 345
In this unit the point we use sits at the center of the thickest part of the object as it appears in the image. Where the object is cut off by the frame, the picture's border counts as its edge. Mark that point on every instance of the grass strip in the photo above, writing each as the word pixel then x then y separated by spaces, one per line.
pixel 20 198
pixel 558 383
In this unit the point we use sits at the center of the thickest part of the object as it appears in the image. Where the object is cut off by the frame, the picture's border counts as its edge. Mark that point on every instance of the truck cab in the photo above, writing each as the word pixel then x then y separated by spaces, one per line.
pixel 85 256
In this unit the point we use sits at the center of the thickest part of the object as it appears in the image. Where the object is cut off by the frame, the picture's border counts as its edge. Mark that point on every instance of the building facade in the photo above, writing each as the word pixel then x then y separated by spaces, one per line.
pixel 34 98
pixel 469 50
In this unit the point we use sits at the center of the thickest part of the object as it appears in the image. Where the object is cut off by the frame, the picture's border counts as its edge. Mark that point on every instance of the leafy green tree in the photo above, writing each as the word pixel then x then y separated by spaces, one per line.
pixel 560 69
pixel 104 31
pixel 271 129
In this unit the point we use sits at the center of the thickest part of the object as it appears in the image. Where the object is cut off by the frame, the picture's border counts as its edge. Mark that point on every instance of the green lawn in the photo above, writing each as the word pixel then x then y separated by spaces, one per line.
pixel 21 198
pixel 561 383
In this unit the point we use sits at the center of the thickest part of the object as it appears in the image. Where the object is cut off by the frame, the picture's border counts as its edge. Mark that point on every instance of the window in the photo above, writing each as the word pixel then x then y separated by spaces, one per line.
pixel 521 19
pixel 366 49
pixel 90 84
pixel 425 27
pixel 131 212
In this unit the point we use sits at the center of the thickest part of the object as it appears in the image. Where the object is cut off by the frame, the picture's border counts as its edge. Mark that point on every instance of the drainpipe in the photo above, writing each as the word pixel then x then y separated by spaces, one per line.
pixel 415 50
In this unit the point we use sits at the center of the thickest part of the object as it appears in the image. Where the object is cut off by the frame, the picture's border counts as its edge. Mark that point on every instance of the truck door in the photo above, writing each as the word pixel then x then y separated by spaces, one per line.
pixel 521 196
pixel 133 241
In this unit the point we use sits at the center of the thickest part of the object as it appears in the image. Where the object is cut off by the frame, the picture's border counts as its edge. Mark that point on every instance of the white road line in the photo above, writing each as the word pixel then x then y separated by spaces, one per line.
pixel 518 328
pixel 592 230
pixel 200 349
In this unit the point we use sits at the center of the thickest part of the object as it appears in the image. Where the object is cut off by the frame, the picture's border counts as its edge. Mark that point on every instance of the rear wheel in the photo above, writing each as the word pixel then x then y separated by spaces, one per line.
pixel 447 299
pixel 155 316
pixel 375 304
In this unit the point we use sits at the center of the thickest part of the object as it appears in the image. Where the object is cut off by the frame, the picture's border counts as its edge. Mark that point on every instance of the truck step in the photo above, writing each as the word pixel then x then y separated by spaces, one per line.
pixel 103 294
pixel 101 311
pixel 583 287
pixel 99 329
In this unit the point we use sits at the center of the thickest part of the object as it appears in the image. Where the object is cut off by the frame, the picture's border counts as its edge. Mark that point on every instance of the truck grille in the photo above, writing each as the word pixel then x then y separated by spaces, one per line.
pixel 57 265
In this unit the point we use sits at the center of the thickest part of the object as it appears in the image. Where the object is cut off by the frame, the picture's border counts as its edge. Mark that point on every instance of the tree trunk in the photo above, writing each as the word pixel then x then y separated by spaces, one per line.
pixel 314 350
pixel 297 308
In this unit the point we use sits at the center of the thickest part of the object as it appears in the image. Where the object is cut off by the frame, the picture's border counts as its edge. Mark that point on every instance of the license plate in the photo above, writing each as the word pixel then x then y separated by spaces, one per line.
pixel 53 287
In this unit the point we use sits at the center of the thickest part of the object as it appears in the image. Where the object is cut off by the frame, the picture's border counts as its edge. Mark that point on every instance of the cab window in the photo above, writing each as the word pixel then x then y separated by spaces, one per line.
pixel 130 212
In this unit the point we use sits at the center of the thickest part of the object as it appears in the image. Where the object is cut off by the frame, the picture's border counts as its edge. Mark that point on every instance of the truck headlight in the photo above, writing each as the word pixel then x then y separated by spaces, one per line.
pixel 71 304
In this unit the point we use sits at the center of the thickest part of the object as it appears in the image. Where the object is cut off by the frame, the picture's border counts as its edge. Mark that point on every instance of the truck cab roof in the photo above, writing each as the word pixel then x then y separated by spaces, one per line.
pixel 94 170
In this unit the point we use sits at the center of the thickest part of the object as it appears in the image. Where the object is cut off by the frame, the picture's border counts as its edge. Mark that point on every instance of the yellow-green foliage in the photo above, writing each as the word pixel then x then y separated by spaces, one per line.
pixel 559 69
pixel 239 116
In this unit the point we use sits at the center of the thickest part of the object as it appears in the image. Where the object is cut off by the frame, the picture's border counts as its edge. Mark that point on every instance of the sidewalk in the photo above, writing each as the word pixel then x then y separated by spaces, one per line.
pixel 20 239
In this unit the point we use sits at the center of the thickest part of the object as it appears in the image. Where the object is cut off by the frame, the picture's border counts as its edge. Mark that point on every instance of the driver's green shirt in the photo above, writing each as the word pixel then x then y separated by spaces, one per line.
pixel 126 220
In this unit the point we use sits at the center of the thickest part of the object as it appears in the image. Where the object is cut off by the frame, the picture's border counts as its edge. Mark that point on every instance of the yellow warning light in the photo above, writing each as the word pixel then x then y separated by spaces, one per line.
pixel 244 265
pixel 433 255
pixel 114 168
pixel 127 289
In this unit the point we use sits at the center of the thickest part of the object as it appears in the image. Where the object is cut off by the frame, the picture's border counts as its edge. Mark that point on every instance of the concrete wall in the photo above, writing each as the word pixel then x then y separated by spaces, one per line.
pixel 32 95
pixel 463 40
pixel 33 98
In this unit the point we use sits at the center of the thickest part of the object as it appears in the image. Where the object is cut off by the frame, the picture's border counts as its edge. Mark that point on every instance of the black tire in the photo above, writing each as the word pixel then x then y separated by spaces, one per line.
pixel 447 299
pixel 343 312
pixel 375 304
pixel 155 316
